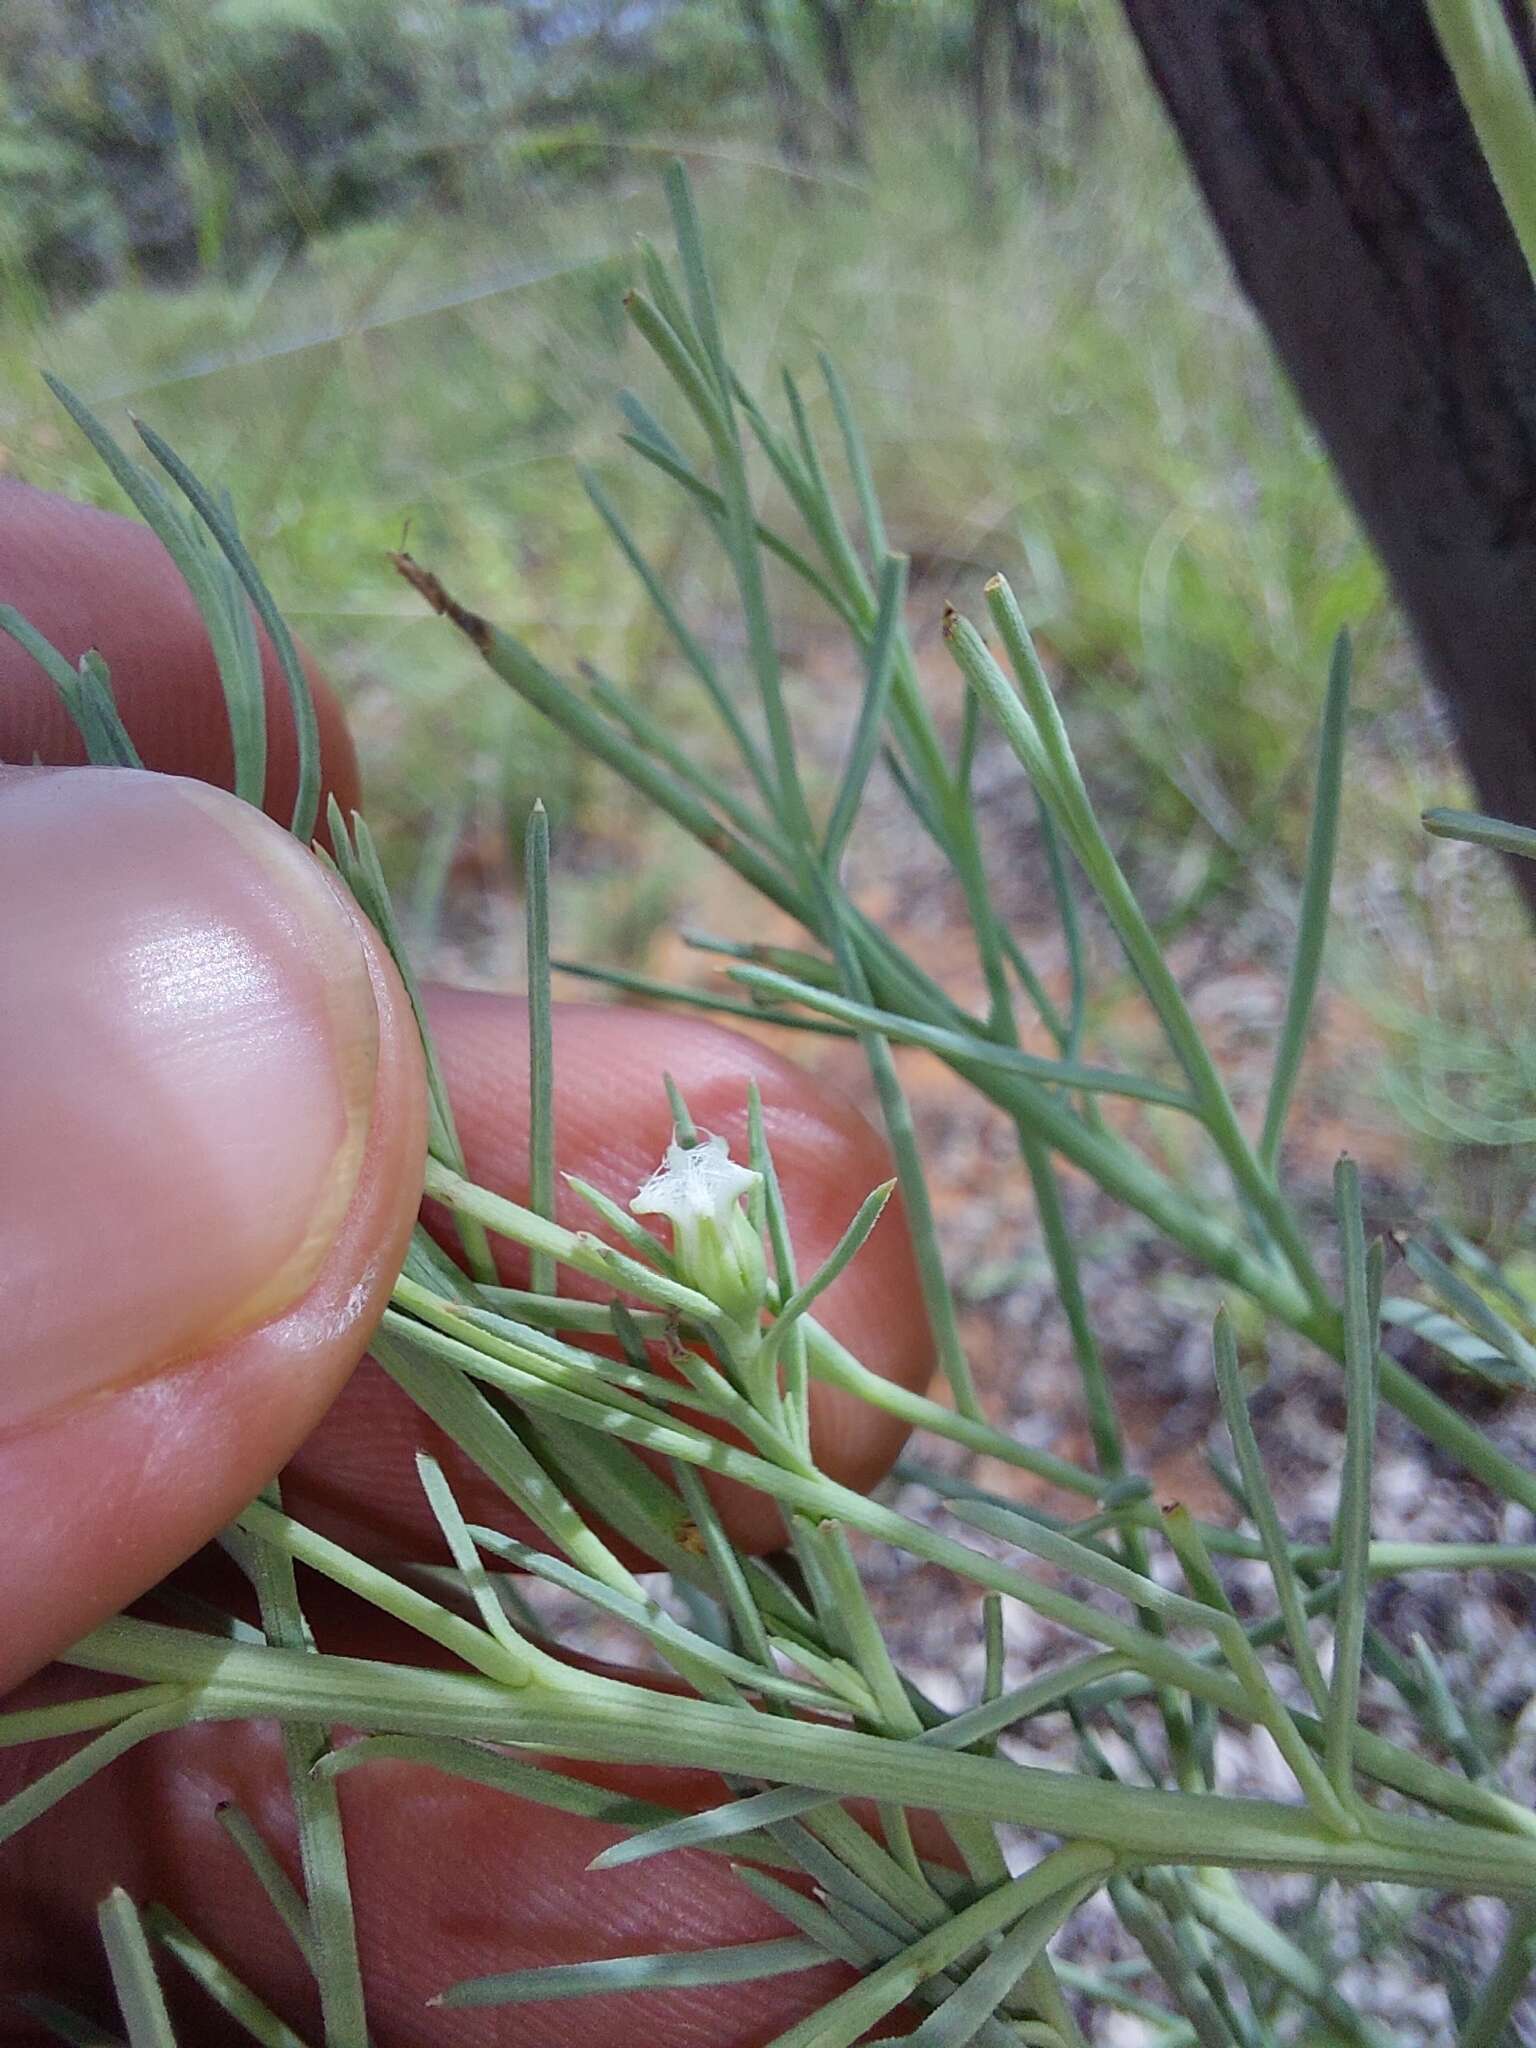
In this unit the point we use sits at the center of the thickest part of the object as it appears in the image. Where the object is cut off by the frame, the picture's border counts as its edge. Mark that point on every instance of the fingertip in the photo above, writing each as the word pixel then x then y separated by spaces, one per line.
pixel 213 1108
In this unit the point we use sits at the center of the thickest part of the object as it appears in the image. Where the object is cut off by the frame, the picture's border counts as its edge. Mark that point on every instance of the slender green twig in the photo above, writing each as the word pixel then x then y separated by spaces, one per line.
pixel 688 643
pixel 139 1996
pixel 306 728
pixel 1495 89
pixel 322 1845
pixel 541 1046
pixel 86 694
pixel 1485 2026
pixel 213 582
pixel 1354 1516
pixel 1312 924
pixel 218 1981
pixel 1261 1506
pixel 1480 831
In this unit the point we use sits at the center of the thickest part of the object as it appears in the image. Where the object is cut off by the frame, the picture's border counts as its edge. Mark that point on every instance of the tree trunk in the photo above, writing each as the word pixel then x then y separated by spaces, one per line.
pixel 783 87
pixel 842 84
pixel 1336 158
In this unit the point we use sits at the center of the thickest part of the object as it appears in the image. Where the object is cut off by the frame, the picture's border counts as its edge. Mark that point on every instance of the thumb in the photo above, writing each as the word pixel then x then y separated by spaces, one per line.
pixel 212 1121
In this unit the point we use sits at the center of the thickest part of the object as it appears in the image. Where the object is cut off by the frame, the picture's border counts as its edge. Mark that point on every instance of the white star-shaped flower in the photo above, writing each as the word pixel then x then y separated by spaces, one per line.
pixel 695 1184
pixel 699 1189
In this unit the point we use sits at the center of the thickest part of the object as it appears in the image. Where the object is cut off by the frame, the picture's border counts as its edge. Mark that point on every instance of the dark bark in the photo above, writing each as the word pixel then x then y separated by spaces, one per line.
pixel 832 33
pixel 783 87
pixel 1348 186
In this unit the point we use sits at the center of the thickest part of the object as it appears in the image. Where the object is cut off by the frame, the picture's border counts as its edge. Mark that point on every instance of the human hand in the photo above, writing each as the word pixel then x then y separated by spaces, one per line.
pixel 212 1120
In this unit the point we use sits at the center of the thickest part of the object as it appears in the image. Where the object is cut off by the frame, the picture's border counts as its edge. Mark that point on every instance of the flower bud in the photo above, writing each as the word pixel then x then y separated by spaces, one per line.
pixel 699 1189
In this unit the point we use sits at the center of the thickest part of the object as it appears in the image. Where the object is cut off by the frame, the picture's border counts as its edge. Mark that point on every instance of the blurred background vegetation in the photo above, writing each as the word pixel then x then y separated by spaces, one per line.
pixel 362 260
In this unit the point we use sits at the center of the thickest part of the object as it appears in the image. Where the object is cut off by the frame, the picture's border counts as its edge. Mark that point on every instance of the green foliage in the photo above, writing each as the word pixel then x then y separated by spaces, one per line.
pixel 193 139
pixel 1066 388
pixel 1026 366
pixel 1156 1832
pixel 168 140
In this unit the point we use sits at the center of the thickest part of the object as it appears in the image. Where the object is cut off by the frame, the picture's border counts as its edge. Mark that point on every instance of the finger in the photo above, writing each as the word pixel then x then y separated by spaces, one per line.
pixel 90 579
pixel 450 1881
pixel 212 1120
pixel 356 1477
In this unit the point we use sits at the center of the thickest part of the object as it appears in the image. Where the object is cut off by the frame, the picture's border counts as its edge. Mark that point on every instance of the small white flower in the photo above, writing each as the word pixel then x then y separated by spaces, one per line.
pixel 699 1189
pixel 695 1183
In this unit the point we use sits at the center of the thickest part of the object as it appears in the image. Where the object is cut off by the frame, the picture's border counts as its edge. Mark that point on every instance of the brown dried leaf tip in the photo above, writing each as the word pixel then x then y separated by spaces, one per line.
pixel 429 586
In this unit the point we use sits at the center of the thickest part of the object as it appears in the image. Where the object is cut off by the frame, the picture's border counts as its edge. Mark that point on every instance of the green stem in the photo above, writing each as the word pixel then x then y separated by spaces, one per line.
pixel 1486 2024
pixel 1496 92
pixel 1039 741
